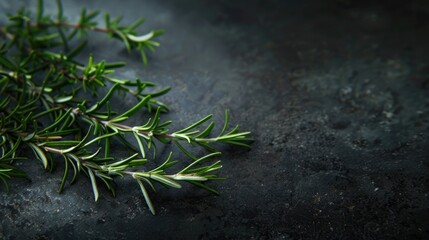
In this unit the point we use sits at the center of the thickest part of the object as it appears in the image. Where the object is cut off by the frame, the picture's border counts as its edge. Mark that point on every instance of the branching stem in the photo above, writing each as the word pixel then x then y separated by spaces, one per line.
pixel 74 26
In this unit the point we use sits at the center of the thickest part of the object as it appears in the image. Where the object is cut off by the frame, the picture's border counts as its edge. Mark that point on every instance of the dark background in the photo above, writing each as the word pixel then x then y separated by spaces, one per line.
pixel 335 93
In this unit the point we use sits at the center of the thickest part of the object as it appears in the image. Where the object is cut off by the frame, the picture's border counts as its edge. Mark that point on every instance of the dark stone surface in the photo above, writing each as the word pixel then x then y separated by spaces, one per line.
pixel 335 93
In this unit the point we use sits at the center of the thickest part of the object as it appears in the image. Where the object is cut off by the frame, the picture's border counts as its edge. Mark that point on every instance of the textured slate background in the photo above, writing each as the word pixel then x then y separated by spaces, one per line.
pixel 335 93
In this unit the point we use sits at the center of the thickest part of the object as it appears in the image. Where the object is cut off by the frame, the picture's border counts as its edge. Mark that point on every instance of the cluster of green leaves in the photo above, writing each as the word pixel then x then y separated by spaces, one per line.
pixel 50 105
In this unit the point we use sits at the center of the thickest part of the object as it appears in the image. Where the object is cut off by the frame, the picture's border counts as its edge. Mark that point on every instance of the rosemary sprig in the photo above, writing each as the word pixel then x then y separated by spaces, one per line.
pixel 46 108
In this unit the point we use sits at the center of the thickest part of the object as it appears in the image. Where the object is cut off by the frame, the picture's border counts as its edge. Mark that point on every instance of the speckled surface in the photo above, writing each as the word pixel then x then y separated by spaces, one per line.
pixel 336 94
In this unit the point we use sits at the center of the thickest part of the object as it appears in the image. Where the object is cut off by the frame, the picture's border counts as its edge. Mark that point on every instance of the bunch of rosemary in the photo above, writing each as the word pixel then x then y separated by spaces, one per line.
pixel 45 113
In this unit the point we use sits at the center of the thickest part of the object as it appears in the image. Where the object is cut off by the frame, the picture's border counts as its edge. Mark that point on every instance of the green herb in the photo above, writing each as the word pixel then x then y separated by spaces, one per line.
pixel 52 108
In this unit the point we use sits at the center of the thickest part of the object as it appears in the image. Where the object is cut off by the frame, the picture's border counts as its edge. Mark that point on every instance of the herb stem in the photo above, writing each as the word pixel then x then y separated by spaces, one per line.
pixel 73 25
pixel 45 107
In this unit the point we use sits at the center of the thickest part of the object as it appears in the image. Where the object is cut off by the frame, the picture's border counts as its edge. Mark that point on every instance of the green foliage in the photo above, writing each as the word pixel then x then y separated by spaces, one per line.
pixel 46 111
